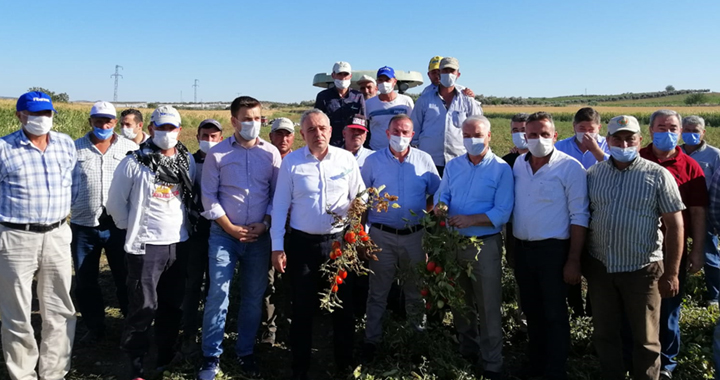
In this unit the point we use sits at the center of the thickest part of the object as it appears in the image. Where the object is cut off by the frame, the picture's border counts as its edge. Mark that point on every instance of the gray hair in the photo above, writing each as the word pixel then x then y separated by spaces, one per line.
pixel 664 113
pixel 694 120
pixel 313 111
pixel 482 120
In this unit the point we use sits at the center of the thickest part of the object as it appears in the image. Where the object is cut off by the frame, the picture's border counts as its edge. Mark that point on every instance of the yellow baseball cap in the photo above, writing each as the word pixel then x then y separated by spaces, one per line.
pixel 434 63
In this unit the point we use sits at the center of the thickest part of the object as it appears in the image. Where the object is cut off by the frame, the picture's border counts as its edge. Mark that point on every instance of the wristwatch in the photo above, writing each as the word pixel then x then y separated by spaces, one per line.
pixel 267 225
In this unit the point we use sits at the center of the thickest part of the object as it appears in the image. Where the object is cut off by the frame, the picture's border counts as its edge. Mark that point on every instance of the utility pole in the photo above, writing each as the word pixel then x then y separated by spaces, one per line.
pixel 117 77
pixel 196 86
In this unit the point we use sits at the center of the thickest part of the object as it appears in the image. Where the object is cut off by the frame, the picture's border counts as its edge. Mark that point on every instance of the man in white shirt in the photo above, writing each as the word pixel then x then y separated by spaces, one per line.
pixel 150 197
pixel 383 107
pixel 550 220
pixel 314 183
pixel 355 134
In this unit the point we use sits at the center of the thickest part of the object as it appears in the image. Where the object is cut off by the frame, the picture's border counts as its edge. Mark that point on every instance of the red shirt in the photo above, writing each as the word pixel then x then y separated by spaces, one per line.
pixel 689 177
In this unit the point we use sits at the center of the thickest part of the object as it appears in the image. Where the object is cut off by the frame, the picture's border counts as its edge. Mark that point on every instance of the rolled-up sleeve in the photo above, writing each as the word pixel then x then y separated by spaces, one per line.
pixel 504 198
pixel 576 193
pixel 281 205
pixel 119 192
pixel 277 161
pixel 210 186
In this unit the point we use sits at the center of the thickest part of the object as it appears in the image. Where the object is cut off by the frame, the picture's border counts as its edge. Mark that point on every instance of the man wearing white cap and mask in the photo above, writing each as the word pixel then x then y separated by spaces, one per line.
pixel 340 103
pixel 368 86
pixel 151 197
pixel 99 153
pixel 36 241
pixel 282 135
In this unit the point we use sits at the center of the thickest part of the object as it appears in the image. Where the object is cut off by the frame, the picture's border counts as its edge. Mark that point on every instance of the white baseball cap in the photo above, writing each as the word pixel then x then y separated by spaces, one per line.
pixel 166 115
pixel 366 78
pixel 284 124
pixel 342 67
pixel 623 123
pixel 103 109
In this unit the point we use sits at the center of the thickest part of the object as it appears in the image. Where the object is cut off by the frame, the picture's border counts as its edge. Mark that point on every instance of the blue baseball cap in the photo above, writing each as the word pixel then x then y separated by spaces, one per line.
pixel 387 71
pixel 34 101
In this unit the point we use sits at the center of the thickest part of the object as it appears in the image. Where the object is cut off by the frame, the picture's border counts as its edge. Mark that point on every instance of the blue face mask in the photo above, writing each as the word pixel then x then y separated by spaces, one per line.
pixel 474 146
pixel 665 141
pixel 102 133
pixel 623 154
pixel 691 138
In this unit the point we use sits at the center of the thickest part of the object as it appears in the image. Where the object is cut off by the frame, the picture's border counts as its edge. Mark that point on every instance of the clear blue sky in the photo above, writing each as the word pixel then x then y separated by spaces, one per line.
pixel 271 49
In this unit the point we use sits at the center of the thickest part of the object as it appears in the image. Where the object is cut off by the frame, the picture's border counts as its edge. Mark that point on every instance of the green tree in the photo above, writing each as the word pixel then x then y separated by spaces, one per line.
pixel 669 88
pixel 56 98
pixel 696 98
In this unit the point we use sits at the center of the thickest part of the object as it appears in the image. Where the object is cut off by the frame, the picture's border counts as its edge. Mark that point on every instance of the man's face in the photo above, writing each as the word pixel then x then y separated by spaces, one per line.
pixel 449 70
pixel 694 129
pixel 666 124
pixel 283 140
pixel 165 128
pixel 354 137
pixel 342 76
pixel 384 78
pixel 368 89
pixel 540 128
pixel 517 126
pixel 211 134
pixel 587 127
pixel 129 121
pixel 402 128
pixel 102 122
pixel 316 132
pixel 245 114
pixel 23 115
pixel 474 129
pixel 434 76
pixel 624 139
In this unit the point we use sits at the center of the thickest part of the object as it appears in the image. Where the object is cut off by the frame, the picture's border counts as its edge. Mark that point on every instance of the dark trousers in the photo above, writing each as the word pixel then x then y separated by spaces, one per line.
pixel 87 245
pixel 269 308
pixel 670 323
pixel 156 286
pixel 305 254
pixel 539 274
pixel 196 283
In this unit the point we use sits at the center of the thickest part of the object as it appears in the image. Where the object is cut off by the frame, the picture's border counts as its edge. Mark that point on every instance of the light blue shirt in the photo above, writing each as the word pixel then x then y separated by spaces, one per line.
pixel 708 157
pixel 486 188
pixel 570 147
pixel 438 126
pixel 411 180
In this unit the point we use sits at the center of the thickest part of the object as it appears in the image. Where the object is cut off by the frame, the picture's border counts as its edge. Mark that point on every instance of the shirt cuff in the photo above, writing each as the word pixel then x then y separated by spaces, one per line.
pixel 582 221
pixel 215 212
pixel 606 157
pixel 278 244
pixel 494 216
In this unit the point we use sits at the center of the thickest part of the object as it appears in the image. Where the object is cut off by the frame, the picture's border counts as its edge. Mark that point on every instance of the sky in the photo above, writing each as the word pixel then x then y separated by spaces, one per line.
pixel 272 49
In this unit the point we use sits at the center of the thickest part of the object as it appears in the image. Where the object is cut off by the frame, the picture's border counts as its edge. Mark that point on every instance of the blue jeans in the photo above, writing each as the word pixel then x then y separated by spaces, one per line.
pixel 670 323
pixel 712 267
pixel 224 254
pixel 87 245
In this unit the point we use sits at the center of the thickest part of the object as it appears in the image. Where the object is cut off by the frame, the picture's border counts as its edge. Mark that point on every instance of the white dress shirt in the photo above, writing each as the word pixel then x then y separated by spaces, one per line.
pixel 310 188
pixel 550 200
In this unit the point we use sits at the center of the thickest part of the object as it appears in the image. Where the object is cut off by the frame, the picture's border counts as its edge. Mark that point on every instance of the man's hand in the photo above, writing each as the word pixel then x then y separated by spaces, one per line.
pixel 571 272
pixel 590 143
pixel 468 92
pixel 514 149
pixel 440 212
pixel 279 261
pixel 257 228
pixel 243 233
pixel 462 221
pixel 696 260
pixel 669 285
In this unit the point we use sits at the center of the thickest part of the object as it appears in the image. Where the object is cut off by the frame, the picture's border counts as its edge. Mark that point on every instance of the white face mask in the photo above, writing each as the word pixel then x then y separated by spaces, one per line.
pixel 448 80
pixel 579 136
pixel 205 145
pixel 342 84
pixel 540 147
pixel 399 143
pixel 519 140
pixel 250 130
pixel 165 140
pixel 38 125
pixel 385 87
pixel 129 133
pixel 474 145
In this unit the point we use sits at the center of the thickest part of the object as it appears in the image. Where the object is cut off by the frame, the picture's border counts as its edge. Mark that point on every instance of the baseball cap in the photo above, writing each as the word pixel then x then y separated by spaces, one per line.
pixel 358 122
pixel 449 63
pixel 434 63
pixel 342 67
pixel 165 115
pixel 623 123
pixel 103 109
pixel 366 78
pixel 34 101
pixel 210 122
pixel 284 124
pixel 387 71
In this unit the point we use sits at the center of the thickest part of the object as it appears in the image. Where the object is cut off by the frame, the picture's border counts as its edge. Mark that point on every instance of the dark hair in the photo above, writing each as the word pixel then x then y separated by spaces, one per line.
pixel 586 114
pixel 537 116
pixel 132 111
pixel 521 117
pixel 243 102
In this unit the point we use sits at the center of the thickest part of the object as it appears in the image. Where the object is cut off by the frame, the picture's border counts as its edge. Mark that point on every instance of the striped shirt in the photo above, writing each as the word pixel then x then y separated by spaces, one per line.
pixel 714 207
pixel 625 208
pixel 92 176
pixel 35 186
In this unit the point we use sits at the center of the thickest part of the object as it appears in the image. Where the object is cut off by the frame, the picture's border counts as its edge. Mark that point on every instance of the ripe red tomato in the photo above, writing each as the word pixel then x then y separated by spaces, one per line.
pixel 430 266
pixel 442 223
pixel 342 274
pixel 438 269
pixel 338 280
pixel 350 237
pixel 424 292
pixel 334 288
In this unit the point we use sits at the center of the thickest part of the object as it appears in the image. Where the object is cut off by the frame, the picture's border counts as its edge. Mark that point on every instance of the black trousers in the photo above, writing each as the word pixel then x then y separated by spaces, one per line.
pixel 196 283
pixel 156 286
pixel 305 254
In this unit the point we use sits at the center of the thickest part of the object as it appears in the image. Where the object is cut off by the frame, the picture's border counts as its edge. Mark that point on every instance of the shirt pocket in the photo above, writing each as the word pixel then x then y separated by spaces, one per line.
pixel 551 191
pixel 337 184
pixel 458 118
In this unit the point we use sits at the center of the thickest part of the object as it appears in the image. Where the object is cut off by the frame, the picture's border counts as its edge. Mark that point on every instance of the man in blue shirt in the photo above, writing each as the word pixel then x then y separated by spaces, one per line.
pixel 339 102
pixel 410 174
pixel 478 188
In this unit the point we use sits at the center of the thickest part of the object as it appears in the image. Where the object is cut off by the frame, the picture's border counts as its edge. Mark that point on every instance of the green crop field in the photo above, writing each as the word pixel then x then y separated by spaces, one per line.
pixel 404 354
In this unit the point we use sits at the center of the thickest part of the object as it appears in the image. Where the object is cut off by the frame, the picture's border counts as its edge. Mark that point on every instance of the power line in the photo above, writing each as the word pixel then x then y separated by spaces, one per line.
pixel 117 77
pixel 196 86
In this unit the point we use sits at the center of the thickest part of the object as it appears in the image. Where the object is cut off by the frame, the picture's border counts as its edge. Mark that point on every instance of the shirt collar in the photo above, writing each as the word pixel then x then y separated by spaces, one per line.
pixel 552 155
pixel 487 158
pixel 703 146
pixel 308 153
pixel 24 140
pixel 233 142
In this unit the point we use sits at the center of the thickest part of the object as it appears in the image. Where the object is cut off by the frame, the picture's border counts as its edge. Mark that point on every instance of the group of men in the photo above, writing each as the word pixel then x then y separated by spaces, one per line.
pixel 168 221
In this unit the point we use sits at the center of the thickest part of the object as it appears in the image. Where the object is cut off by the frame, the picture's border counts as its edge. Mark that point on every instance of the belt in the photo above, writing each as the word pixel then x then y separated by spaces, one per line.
pixel 323 237
pixel 487 236
pixel 34 227
pixel 405 231
pixel 540 243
